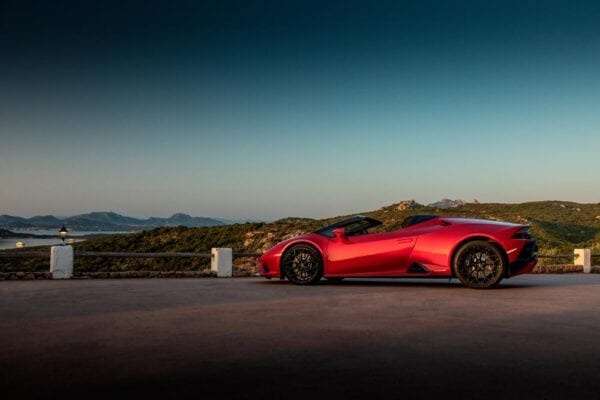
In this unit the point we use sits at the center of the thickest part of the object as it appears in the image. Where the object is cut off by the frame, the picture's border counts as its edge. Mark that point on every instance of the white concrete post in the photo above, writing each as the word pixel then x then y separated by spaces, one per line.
pixel 221 261
pixel 583 257
pixel 61 262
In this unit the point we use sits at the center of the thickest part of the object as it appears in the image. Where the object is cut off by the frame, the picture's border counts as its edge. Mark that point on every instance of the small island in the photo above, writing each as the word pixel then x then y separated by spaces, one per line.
pixel 6 234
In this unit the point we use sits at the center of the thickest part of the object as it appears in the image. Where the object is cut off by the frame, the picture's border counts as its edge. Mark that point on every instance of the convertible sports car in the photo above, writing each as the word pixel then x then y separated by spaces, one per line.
pixel 480 253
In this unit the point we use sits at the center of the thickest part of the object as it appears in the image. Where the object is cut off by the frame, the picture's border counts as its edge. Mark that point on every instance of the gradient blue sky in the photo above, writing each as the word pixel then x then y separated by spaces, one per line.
pixel 258 109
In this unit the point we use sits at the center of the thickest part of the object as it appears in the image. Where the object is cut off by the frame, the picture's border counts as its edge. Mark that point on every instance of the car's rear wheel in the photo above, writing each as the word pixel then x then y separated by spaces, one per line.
pixel 302 264
pixel 479 264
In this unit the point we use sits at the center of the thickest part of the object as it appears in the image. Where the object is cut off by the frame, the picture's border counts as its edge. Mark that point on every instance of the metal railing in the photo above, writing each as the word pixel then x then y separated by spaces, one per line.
pixel 62 261
pixel 24 254
pixel 557 256
pixel 46 254
pixel 563 255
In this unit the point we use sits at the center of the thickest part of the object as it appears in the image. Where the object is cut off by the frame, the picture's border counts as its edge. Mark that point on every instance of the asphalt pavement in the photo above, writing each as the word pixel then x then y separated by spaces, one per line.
pixel 536 336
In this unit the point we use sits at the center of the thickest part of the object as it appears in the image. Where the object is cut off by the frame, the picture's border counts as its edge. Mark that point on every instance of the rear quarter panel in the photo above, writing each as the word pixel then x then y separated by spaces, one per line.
pixel 435 248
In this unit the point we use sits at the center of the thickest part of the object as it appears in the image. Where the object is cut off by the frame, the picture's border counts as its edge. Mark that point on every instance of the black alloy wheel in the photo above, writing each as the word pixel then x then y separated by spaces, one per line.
pixel 479 264
pixel 302 264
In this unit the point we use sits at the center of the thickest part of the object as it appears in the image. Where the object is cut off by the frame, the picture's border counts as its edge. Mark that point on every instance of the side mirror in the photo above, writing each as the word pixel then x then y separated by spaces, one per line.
pixel 339 233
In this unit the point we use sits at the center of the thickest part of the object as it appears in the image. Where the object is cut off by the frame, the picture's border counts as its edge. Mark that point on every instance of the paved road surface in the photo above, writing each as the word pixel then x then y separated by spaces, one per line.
pixel 534 337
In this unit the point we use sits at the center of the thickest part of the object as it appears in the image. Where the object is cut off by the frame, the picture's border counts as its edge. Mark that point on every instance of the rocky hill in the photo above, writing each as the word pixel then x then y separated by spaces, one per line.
pixel 447 203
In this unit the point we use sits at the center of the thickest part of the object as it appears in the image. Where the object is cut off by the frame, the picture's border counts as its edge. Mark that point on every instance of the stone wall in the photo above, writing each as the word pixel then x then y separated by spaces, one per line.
pixel 243 269
pixel 145 274
pixel 562 269
pixel 28 276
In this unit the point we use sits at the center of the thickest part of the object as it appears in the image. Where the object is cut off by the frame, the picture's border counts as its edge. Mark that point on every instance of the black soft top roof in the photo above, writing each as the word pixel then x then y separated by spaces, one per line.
pixel 408 221
pixel 416 219
pixel 348 221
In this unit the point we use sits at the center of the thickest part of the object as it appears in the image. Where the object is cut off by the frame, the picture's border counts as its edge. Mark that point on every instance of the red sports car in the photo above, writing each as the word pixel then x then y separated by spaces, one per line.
pixel 480 253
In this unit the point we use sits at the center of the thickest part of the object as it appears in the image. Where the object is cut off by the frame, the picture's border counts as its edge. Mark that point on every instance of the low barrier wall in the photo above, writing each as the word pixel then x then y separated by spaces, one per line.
pixel 61 264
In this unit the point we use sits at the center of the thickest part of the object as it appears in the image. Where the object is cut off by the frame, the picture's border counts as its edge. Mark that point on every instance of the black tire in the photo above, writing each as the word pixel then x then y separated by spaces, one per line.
pixel 479 264
pixel 302 264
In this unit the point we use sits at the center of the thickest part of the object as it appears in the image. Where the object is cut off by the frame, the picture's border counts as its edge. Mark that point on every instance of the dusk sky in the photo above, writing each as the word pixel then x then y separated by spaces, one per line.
pixel 261 110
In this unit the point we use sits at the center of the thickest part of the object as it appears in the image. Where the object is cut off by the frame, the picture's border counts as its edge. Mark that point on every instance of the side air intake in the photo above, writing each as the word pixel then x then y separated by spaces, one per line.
pixel 417 268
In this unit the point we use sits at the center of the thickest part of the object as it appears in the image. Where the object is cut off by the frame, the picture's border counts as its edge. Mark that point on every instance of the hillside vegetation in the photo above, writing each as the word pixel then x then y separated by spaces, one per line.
pixel 557 225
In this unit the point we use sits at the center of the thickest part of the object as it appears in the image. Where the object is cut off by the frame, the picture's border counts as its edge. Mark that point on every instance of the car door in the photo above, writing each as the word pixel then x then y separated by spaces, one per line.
pixel 375 254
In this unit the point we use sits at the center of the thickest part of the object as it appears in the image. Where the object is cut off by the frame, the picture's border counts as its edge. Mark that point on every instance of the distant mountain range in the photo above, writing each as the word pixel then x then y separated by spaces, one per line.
pixel 105 221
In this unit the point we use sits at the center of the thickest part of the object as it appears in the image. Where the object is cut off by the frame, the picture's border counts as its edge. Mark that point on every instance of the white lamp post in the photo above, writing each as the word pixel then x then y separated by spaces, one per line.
pixel 63 233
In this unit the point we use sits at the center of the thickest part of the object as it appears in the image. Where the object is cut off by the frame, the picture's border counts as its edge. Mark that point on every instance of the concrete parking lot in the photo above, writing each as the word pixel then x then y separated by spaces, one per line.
pixel 536 336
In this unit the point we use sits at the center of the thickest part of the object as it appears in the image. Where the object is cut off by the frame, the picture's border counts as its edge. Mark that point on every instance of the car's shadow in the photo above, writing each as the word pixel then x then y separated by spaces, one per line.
pixel 398 282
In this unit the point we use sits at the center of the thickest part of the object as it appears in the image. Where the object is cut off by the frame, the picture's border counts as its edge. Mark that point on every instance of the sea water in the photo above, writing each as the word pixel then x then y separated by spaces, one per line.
pixel 11 243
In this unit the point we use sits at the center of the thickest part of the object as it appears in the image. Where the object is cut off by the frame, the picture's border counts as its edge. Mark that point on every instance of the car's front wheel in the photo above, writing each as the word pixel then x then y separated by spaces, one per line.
pixel 302 264
pixel 479 264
